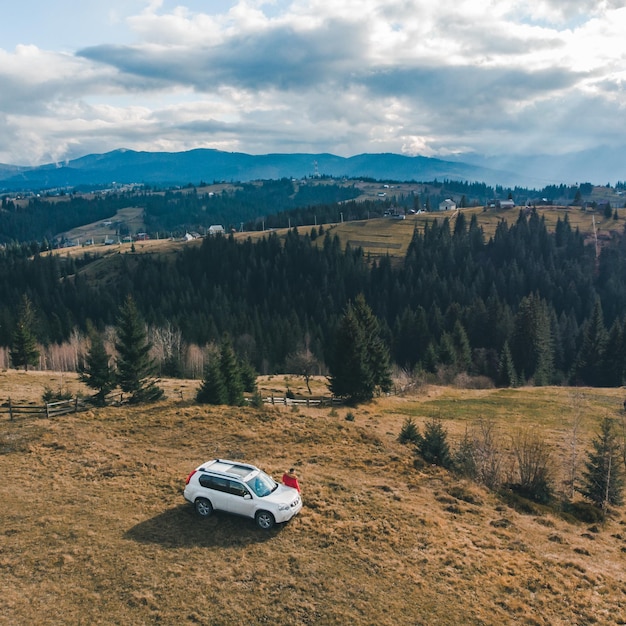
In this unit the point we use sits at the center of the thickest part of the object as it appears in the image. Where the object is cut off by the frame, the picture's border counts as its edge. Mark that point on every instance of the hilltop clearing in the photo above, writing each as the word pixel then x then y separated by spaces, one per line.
pixel 96 530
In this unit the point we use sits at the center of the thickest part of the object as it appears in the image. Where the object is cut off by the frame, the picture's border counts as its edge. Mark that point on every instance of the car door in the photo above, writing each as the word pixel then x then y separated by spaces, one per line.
pixel 216 491
pixel 240 499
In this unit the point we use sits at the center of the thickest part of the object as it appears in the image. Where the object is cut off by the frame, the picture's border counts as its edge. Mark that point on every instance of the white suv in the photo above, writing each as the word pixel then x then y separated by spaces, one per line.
pixel 241 489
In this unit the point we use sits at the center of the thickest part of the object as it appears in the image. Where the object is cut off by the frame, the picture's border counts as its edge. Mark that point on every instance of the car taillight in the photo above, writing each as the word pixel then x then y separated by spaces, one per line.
pixel 189 477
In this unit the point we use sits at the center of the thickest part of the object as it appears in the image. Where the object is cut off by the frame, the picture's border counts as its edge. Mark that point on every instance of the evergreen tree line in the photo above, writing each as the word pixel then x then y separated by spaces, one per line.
pixel 526 306
pixel 270 203
pixel 173 211
pixel 132 369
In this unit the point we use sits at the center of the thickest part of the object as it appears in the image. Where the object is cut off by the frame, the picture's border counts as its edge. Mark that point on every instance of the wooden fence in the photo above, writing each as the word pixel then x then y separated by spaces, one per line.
pixel 74 405
pixel 306 401
pixel 49 409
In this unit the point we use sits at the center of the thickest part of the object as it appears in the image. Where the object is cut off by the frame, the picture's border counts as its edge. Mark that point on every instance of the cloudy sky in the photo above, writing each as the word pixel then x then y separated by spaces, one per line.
pixel 430 77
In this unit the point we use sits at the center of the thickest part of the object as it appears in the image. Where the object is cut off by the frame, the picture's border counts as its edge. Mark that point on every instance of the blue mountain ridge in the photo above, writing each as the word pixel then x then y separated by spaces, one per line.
pixel 180 168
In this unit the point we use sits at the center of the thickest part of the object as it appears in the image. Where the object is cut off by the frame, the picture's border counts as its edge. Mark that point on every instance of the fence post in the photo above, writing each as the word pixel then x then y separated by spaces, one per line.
pixel 10 411
pixel 47 411
pixel 76 404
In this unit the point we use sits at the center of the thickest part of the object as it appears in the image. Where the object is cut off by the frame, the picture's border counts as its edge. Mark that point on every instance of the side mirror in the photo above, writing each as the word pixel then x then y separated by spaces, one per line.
pixel 247 496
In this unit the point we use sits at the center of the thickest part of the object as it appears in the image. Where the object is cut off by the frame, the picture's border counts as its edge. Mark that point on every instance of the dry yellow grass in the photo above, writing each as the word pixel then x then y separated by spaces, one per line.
pixel 95 530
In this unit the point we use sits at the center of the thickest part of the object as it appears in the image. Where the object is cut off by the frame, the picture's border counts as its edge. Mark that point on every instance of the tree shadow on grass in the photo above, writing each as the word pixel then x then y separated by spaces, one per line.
pixel 180 527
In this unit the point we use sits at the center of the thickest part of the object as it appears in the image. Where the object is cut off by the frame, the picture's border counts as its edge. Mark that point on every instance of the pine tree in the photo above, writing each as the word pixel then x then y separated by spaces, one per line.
pixel 532 347
pixel 350 376
pixel 462 347
pixel 212 390
pixel 603 480
pixel 231 374
pixel 377 351
pixel 248 376
pixel 360 363
pixel 614 360
pixel 433 445
pixel 135 368
pixel 590 363
pixel 506 369
pixel 410 432
pixel 97 372
pixel 24 349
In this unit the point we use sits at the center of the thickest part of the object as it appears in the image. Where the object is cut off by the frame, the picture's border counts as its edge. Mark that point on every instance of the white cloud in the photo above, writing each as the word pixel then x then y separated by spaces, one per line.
pixel 414 76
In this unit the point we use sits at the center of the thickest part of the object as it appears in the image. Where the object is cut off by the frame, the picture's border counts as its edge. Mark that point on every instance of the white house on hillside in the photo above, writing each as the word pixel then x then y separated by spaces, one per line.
pixel 506 204
pixel 216 229
pixel 447 205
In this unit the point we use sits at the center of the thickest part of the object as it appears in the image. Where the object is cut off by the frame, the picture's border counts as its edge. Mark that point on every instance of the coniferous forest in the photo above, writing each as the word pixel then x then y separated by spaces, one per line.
pixel 525 306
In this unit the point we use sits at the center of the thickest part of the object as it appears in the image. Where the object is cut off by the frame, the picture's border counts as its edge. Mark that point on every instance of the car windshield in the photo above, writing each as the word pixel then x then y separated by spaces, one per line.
pixel 262 484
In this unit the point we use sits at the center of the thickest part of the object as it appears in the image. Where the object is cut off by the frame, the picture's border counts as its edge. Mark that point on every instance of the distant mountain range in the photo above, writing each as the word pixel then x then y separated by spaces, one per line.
pixel 194 166
pixel 206 165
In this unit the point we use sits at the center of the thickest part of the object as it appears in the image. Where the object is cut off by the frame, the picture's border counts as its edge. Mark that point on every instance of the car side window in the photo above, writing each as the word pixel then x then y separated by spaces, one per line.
pixel 215 482
pixel 205 481
pixel 237 489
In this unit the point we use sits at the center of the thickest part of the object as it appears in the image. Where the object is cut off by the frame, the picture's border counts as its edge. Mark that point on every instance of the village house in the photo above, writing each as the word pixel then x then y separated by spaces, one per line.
pixel 447 205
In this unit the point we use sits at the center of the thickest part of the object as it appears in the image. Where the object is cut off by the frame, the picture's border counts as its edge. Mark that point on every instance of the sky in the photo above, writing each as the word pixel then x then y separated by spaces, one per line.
pixel 439 78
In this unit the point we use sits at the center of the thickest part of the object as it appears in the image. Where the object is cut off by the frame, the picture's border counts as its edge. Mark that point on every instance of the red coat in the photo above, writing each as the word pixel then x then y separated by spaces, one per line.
pixel 291 481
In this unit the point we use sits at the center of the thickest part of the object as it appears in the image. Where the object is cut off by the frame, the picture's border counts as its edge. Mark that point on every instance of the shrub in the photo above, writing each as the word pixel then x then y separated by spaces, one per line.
pixel 433 445
pixel 584 512
pixel 534 466
pixel 464 462
pixel 521 504
pixel 59 395
pixel 256 400
pixel 409 432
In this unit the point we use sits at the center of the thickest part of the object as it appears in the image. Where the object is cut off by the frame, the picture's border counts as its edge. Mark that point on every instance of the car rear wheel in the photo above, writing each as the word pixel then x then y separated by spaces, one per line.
pixel 264 520
pixel 203 507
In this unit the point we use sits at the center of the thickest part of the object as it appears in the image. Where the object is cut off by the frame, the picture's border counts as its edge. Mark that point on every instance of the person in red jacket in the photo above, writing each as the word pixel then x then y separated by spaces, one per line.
pixel 291 480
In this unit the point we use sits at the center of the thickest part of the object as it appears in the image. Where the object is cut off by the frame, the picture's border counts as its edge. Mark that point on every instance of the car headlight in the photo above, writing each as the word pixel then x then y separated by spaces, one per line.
pixel 283 507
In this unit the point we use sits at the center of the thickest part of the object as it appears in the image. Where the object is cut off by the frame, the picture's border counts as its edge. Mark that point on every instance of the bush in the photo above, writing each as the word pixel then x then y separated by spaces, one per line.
pixel 433 445
pixel 257 400
pixel 409 433
pixel 534 466
pixel 59 395
pixel 521 504
pixel 584 512
pixel 464 462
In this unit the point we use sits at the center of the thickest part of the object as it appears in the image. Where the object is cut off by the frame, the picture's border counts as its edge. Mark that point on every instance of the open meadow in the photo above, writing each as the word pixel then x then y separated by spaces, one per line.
pixel 95 530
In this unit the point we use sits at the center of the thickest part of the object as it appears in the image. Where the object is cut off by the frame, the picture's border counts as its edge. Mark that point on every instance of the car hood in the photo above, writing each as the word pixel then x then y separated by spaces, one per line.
pixel 282 495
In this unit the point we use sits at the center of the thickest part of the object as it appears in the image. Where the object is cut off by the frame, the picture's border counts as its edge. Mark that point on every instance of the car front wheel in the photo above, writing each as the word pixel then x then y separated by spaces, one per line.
pixel 203 507
pixel 264 520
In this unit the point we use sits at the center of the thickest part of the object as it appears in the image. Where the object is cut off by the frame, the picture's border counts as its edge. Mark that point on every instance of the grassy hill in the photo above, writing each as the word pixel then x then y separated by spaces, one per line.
pixel 96 530
pixel 382 236
pixel 391 236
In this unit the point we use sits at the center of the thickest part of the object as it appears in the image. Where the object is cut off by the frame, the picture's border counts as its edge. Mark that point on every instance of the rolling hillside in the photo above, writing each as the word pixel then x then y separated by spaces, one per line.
pixel 377 237
pixel 379 540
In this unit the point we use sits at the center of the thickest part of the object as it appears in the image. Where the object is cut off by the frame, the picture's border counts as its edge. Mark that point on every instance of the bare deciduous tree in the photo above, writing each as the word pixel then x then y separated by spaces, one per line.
pixel 488 455
pixel 573 464
pixel 303 363
pixel 534 465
